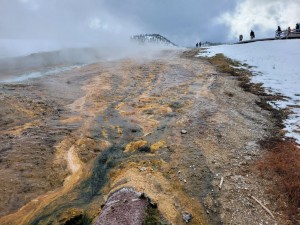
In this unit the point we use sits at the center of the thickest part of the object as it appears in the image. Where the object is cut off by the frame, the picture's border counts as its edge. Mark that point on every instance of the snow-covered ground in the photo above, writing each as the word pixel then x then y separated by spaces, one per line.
pixel 276 64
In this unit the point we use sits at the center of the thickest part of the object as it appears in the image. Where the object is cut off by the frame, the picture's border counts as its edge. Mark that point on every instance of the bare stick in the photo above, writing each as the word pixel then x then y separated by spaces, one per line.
pixel 147 134
pixel 221 183
pixel 265 208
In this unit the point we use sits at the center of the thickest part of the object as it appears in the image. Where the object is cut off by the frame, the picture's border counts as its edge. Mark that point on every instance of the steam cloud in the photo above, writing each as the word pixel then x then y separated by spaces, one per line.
pixel 28 26
pixel 32 25
pixel 261 15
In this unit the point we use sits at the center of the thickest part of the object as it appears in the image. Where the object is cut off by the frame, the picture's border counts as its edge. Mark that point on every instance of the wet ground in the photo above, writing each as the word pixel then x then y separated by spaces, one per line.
pixel 168 126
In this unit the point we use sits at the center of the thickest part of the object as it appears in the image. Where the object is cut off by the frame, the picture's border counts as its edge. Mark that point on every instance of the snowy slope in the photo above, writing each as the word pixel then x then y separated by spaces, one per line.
pixel 277 66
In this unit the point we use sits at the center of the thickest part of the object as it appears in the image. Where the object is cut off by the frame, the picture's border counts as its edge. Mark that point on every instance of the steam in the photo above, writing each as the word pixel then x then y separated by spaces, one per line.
pixel 40 35
pixel 29 26
pixel 263 16
pixel 65 23
pixel 47 25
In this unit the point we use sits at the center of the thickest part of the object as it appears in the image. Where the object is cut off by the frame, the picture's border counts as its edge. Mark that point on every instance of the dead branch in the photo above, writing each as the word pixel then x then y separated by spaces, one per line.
pixel 264 207
pixel 221 183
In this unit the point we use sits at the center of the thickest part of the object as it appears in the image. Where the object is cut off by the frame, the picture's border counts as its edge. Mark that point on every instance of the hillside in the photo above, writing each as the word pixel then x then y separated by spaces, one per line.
pixel 153 39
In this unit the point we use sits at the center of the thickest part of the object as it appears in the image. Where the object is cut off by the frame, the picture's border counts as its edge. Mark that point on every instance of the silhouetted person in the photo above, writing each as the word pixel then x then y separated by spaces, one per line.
pixel 278 31
pixel 252 35
pixel 200 44
pixel 197 45
pixel 241 37
pixel 297 27
pixel 288 32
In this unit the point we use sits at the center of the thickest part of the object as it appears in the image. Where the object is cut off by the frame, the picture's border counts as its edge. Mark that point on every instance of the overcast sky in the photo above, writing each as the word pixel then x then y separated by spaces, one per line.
pixel 184 22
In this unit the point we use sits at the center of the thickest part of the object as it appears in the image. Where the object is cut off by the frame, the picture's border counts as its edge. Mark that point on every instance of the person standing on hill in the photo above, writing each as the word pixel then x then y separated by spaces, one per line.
pixel 197 45
pixel 241 37
pixel 278 32
pixel 297 27
pixel 252 35
pixel 278 29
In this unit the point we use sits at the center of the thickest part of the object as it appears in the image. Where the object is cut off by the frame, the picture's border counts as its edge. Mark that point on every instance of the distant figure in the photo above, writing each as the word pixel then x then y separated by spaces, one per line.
pixel 279 29
pixel 289 30
pixel 297 27
pixel 278 32
pixel 241 37
pixel 252 35
pixel 197 45
pixel 200 44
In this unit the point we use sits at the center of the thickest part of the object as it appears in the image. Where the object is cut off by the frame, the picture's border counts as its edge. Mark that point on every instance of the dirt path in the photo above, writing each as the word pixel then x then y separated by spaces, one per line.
pixel 170 127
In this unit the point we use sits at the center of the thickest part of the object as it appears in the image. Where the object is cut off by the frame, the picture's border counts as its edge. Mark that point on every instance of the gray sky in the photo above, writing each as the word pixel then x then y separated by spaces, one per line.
pixel 184 22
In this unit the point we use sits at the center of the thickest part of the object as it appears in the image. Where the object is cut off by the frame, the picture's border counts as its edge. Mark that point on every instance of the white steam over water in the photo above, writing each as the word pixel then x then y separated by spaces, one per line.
pixel 37 74
pixel 23 47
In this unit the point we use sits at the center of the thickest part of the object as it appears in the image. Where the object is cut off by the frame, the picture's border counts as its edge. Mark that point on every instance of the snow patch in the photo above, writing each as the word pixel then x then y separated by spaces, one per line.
pixel 276 64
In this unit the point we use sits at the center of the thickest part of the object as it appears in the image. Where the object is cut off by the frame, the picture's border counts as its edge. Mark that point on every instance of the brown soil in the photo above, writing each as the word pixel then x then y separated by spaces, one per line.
pixel 69 141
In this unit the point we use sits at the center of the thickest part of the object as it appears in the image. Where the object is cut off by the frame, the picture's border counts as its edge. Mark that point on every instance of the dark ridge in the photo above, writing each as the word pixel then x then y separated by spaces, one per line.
pixel 153 39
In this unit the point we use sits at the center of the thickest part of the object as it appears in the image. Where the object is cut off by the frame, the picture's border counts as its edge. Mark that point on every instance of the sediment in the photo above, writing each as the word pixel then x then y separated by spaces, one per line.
pixel 70 141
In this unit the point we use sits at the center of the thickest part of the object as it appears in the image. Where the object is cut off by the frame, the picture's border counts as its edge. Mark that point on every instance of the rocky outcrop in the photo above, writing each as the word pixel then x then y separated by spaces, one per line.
pixel 125 206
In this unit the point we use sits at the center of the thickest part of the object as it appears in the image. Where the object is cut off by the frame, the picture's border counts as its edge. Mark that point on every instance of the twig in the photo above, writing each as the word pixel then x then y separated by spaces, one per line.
pixel 221 183
pixel 265 208
pixel 147 134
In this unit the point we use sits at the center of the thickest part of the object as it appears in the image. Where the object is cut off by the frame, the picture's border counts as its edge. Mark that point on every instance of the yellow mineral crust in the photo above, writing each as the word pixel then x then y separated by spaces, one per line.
pixel 156 146
pixel 133 146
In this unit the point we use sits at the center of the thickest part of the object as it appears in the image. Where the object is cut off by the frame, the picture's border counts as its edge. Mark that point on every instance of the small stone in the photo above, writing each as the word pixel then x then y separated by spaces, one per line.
pixel 143 169
pixel 183 131
pixel 187 217
pixel 184 181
